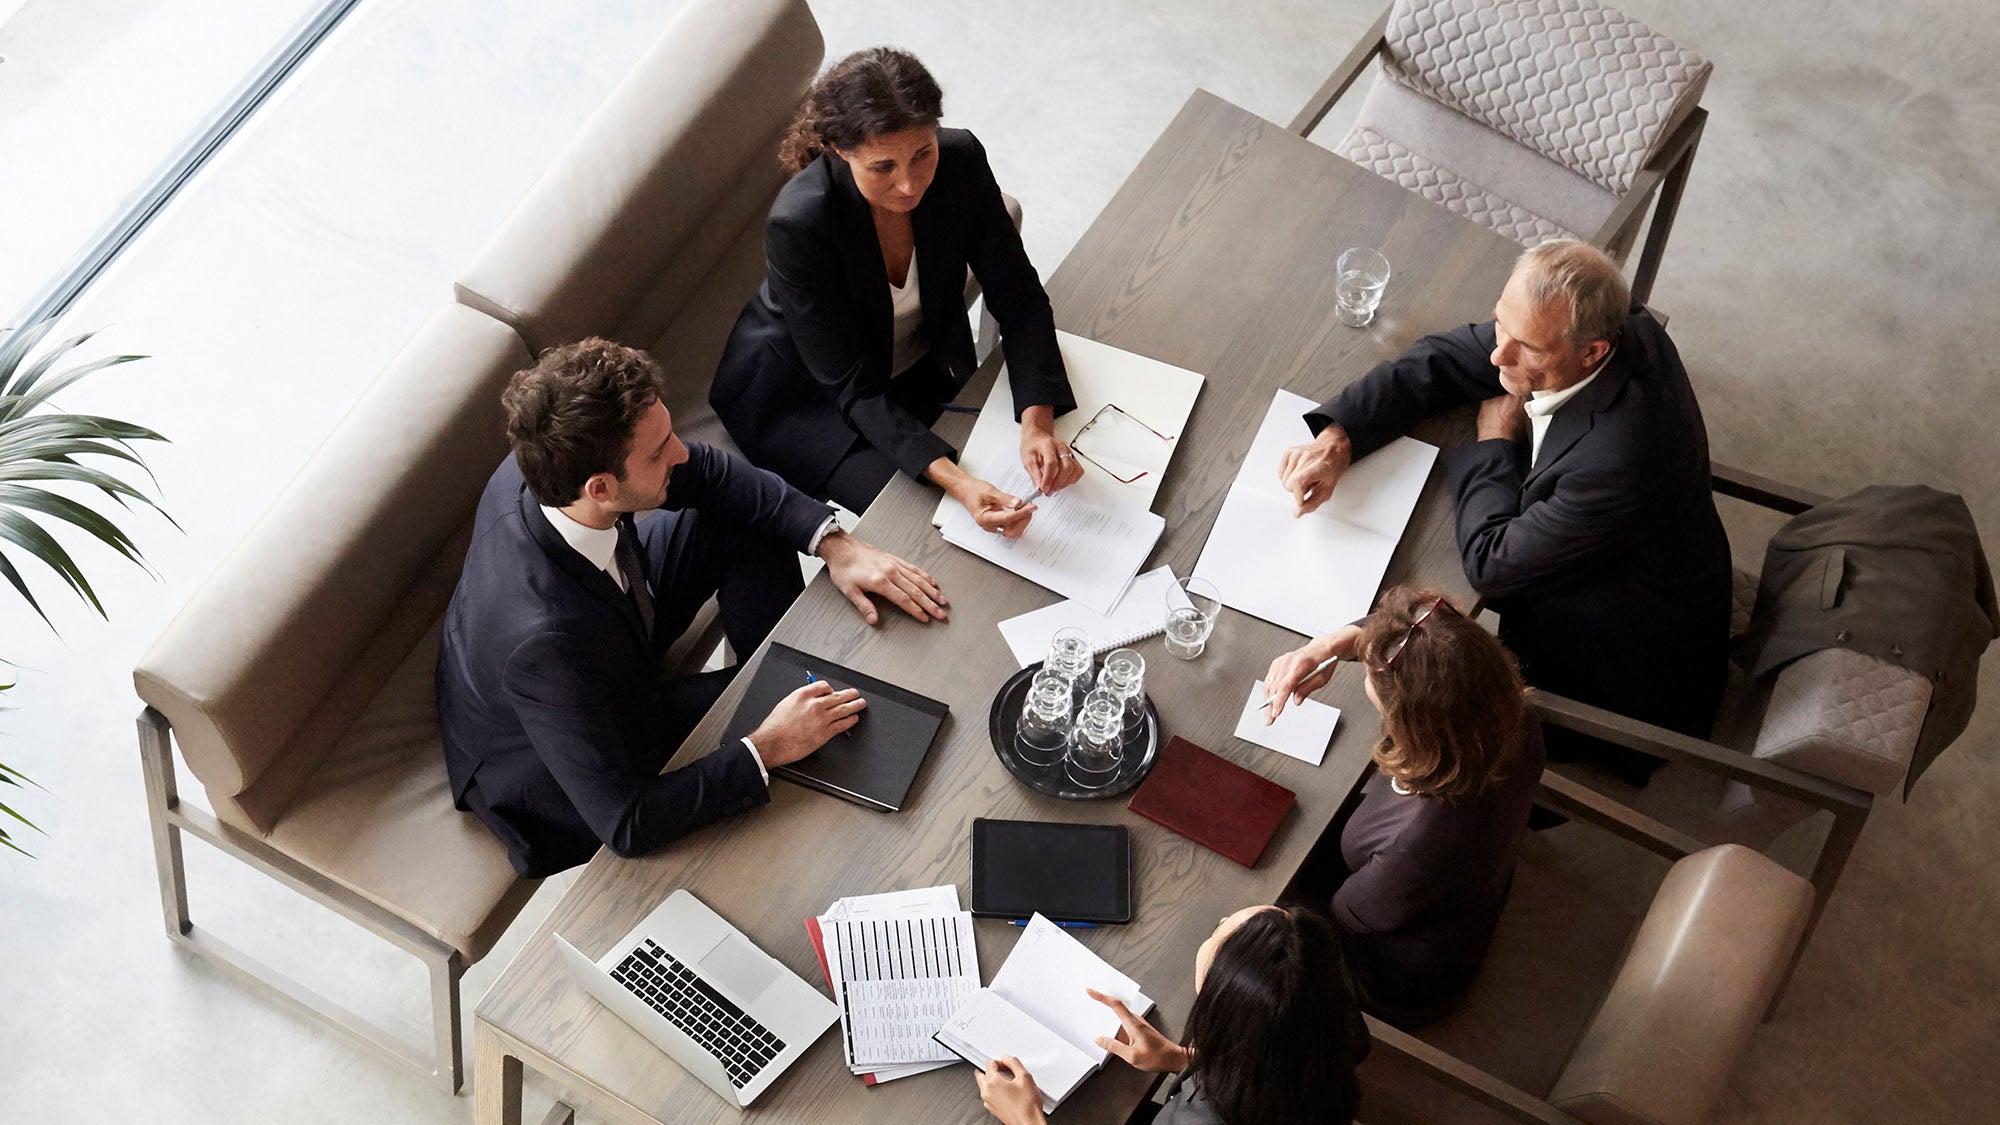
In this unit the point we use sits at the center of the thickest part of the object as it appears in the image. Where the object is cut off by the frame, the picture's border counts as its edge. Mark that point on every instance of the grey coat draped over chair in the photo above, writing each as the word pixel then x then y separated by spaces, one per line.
pixel 1893 571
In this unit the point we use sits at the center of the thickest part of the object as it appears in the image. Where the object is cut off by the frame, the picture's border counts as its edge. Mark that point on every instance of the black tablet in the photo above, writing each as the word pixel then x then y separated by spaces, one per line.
pixel 1067 872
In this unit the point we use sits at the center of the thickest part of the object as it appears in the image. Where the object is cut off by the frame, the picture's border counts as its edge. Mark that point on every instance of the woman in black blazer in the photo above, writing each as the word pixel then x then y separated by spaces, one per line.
pixel 858 338
pixel 1428 854
pixel 1272 1039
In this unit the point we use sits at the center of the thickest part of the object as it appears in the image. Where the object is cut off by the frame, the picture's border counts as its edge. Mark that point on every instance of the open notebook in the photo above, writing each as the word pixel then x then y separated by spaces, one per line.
pixel 1036 1009
pixel 1314 573
pixel 1139 614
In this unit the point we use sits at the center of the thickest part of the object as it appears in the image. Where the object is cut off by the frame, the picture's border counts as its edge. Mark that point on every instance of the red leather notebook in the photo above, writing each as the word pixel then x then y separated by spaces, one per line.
pixel 1212 801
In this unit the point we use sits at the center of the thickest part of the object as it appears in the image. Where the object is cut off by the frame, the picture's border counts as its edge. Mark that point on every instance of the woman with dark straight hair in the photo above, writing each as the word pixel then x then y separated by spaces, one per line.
pixel 1272 1039
pixel 1428 854
pixel 847 355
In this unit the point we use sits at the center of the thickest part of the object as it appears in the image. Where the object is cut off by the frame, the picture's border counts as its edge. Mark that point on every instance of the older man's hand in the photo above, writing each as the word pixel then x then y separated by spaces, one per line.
pixel 1504 416
pixel 1310 471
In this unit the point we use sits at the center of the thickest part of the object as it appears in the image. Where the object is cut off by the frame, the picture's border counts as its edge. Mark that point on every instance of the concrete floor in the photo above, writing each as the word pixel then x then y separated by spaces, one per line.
pixel 1829 277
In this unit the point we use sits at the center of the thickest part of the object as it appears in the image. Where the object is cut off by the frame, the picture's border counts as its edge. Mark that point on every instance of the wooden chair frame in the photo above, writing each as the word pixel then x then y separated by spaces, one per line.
pixel 445 1060
pixel 1579 802
pixel 1666 174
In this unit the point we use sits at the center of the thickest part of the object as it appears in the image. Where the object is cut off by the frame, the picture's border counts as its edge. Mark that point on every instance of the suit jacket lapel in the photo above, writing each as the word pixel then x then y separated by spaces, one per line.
pixel 578 568
pixel 1575 417
pixel 868 272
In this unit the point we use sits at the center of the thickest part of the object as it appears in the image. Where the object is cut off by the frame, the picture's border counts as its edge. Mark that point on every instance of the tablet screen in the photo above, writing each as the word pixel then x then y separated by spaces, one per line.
pixel 1068 872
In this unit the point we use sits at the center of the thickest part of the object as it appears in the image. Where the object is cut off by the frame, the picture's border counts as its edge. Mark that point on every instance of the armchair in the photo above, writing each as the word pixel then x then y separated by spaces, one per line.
pixel 1540 119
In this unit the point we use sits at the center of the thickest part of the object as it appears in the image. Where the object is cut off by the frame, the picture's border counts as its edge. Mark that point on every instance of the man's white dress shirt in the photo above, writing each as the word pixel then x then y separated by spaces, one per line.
pixel 1542 405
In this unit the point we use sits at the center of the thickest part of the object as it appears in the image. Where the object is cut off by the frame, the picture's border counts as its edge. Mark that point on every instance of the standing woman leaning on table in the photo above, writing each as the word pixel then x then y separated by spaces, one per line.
pixel 1272 1039
pixel 858 338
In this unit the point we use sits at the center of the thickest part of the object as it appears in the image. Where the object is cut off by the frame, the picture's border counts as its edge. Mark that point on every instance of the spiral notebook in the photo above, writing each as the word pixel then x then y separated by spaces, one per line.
pixel 1141 612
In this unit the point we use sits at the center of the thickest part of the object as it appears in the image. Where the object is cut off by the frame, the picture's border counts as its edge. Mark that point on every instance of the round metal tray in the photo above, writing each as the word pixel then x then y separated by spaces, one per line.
pixel 1005 717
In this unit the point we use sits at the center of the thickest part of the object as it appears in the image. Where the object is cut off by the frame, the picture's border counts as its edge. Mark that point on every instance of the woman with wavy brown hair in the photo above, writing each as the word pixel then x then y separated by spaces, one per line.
pixel 847 355
pixel 1428 854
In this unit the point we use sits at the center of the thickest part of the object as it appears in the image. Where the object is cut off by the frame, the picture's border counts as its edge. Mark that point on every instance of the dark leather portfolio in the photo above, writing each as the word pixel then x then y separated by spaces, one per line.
pixel 1214 802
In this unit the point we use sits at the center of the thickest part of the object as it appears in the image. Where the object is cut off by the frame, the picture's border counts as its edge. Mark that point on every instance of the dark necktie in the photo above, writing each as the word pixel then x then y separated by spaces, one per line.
pixel 629 555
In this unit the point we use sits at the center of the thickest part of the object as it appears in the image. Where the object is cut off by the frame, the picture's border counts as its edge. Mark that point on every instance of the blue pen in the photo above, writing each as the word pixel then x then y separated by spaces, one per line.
pixel 1064 925
pixel 849 732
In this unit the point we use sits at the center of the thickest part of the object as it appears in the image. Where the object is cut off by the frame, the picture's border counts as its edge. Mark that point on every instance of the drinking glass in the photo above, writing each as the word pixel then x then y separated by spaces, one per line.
pixel 1043 736
pixel 1360 276
pixel 1097 745
pixel 1124 676
pixel 1192 607
pixel 1069 654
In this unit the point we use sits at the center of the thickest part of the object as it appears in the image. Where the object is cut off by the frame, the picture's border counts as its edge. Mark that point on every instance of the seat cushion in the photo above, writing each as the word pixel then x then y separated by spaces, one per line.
pixel 1471 170
pixel 1702 969
pixel 377 818
pixel 1590 88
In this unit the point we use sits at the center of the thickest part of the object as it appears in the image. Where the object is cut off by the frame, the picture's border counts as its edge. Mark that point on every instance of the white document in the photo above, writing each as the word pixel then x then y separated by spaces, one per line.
pixel 1314 573
pixel 1302 731
pixel 900 979
pixel 920 903
pixel 1153 395
pixel 1141 613
pixel 1081 550
pixel 1037 1010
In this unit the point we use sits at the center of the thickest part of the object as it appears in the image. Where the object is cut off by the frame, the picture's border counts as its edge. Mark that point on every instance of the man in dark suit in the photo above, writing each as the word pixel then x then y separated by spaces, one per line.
pixel 1584 509
pixel 556 719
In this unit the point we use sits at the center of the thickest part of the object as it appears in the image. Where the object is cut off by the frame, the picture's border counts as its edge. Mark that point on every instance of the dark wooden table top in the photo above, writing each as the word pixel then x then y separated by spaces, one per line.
pixel 1216 255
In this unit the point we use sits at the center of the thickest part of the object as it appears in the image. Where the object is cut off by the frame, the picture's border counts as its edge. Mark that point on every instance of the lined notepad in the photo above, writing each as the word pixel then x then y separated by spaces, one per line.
pixel 1139 614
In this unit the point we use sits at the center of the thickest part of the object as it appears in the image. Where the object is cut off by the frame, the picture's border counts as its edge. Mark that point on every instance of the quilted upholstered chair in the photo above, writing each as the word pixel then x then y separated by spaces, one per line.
pixel 1538 118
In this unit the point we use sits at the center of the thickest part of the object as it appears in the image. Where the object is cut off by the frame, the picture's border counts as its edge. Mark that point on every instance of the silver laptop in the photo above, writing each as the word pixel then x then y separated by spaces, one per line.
pixel 721 1007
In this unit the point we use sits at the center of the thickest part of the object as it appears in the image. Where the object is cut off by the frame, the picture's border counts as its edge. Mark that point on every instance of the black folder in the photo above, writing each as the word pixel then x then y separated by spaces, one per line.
pixel 874 763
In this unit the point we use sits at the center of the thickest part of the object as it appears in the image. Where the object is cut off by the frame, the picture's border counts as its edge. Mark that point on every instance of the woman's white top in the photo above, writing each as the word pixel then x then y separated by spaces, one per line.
pixel 910 345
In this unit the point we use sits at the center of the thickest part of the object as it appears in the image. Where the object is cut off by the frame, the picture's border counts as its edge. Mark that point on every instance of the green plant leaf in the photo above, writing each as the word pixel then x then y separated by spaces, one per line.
pixel 63 508
pixel 22 819
pixel 19 343
pixel 7 843
pixel 14 579
pixel 32 396
pixel 28 534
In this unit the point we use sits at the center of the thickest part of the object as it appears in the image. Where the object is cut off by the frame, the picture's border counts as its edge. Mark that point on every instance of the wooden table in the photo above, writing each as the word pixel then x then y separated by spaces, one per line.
pixel 1216 255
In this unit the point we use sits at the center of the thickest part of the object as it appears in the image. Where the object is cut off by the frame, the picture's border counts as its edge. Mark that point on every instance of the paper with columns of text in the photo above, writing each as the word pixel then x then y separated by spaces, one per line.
pixel 1083 551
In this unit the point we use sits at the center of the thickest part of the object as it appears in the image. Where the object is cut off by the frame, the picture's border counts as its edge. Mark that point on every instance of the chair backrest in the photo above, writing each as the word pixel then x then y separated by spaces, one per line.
pixel 1586 86
pixel 659 182
pixel 295 625
pixel 1700 973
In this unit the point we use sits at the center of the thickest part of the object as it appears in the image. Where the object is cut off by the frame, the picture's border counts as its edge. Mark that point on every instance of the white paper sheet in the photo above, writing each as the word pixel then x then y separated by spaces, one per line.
pixel 1302 731
pixel 987 1027
pixel 1081 550
pixel 919 903
pixel 1315 573
pixel 1140 613
pixel 900 979
pixel 1157 394
pixel 1045 977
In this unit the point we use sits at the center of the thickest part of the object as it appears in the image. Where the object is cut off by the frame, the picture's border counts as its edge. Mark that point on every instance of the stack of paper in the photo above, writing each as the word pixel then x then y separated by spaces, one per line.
pixel 1081 550
pixel 1311 574
pixel 1037 1010
pixel 1302 730
pixel 898 964
pixel 1141 613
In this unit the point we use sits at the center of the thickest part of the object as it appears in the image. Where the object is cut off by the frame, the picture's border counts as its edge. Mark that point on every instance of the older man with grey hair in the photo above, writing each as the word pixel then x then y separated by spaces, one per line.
pixel 1583 509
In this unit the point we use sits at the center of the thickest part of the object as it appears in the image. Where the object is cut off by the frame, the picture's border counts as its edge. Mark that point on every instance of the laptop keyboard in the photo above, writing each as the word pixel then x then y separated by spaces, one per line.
pixel 743 1045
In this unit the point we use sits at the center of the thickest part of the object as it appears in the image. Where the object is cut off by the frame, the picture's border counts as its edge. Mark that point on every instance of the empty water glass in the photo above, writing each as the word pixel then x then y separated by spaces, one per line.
pixel 1097 745
pixel 1069 655
pixel 1359 279
pixel 1192 607
pixel 1043 736
pixel 1124 676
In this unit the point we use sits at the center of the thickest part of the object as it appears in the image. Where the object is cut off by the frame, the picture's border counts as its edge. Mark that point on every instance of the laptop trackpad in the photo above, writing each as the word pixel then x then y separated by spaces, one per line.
pixel 739 967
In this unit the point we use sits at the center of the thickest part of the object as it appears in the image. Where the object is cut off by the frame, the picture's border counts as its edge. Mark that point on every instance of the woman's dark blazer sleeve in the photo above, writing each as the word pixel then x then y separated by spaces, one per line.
pixel 1014 294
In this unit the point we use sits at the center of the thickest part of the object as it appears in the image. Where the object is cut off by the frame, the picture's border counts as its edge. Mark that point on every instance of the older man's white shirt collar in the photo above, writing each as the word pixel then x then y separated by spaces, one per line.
pixel 1542 404
pixel 598 545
